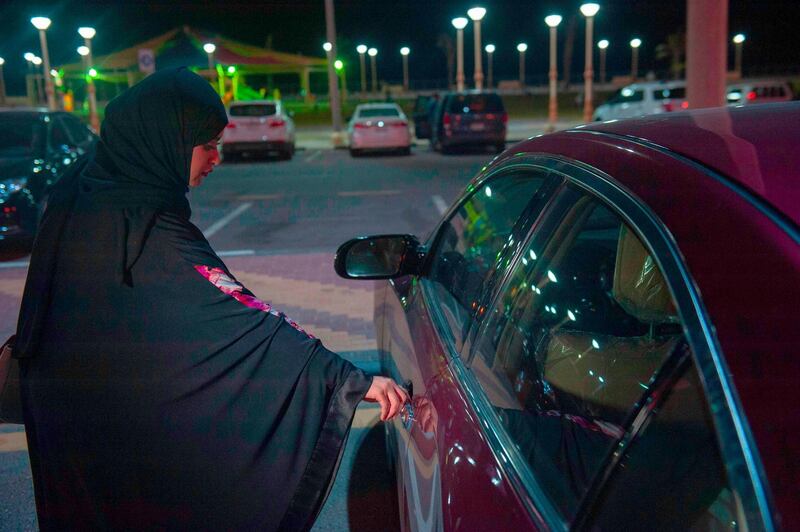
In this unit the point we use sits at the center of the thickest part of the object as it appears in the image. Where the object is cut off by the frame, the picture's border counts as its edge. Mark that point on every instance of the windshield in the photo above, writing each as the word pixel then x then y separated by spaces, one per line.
pixel 21 135
pixel 371 112
pixel 475 103
pixel 261 109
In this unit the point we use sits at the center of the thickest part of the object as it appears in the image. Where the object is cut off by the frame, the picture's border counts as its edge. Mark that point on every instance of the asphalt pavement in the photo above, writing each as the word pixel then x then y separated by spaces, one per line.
pixel 277 225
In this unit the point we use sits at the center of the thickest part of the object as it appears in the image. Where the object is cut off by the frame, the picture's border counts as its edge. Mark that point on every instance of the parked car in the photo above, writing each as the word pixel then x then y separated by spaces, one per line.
pixel 424 106
pixel 469 119
pixel 37 147
pixel 601 333
pixel 378 127
pixel 258 126
pixel 758 91
pixel 647 98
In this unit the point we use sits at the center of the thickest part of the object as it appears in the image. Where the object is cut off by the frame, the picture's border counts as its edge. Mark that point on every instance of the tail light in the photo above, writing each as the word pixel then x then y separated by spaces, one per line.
pixel 505 118
pixel 231 125
pixel 277 123
pixel 359 125
pixel 667 107
pixel 446 119
pixel 751 96
pixel 399 124
pixel 684 105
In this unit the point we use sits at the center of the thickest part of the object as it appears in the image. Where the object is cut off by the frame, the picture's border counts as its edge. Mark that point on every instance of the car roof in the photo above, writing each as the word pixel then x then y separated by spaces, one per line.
pixel 375 105
pixel 758 145
pixel 254 102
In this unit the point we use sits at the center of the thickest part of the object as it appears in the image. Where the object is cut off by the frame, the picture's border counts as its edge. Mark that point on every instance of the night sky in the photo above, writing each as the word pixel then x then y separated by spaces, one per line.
pixel 299 26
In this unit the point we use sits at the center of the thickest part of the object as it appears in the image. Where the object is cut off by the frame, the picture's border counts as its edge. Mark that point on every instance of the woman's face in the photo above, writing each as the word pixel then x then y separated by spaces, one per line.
pixel 204 158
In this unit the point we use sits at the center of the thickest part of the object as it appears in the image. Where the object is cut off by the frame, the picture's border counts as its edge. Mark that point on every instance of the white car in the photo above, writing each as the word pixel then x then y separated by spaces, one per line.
pixel 758 91
pixel 647 98
pixel 378 126
pixel 258 126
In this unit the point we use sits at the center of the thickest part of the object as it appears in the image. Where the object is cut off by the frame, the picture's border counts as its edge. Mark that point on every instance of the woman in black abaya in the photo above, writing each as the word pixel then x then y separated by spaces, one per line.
pixel 157 391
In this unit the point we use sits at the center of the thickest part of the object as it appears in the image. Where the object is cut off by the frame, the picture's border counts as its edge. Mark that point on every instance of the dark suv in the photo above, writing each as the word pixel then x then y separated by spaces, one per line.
pixel 37 147
pixel 469 119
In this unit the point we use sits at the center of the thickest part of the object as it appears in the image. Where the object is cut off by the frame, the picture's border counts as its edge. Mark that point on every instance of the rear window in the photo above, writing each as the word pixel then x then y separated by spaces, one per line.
pixel 261 109
pixel 664 94
pixel 625 95
pixel 475 103
pixel 371 112
pixel 21 135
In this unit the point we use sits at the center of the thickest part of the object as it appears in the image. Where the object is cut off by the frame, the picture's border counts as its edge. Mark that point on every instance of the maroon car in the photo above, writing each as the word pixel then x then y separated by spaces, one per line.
pixel 603 333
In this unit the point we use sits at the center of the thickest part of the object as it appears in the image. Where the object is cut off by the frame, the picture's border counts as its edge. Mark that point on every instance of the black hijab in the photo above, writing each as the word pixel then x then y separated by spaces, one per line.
pixel 140 167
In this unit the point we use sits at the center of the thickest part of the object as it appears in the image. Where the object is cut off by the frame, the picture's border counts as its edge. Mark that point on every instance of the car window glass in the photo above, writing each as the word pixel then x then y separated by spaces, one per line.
pixel 672 476
pixel 21 135
pixel 625 95
pixel 76 130
pixel 268 109
pixel 378 111
pixel 59 135
pixel 570 345
pixel 475 103
pixel 469 243
pixel 676 92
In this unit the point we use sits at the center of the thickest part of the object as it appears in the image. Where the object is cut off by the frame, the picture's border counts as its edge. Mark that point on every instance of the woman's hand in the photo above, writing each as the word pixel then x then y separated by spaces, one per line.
pixel 390 396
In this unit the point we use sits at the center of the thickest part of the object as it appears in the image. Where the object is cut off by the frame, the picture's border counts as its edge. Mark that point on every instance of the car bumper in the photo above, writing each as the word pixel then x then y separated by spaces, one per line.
pixel 473 139
pixel 242 147
pixel 387 140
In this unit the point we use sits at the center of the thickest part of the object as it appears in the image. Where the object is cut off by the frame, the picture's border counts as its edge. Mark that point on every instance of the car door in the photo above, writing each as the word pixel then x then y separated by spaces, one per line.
pixel 422 323
pixel 592 372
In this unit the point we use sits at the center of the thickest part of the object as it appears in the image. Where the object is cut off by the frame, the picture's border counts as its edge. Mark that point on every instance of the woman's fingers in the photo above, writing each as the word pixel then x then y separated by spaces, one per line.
pixel 388 394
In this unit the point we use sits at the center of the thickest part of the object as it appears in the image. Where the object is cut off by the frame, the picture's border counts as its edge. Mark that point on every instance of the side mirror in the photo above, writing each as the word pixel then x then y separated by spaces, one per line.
pixel 379 257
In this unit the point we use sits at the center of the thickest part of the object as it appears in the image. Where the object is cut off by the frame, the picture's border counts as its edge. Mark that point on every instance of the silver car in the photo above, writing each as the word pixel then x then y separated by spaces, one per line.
pixel 645 98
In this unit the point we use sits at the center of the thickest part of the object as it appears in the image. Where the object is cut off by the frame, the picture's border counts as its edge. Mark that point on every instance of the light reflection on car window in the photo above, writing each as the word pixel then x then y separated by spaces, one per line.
pixel 21 135
pixel 573 344
pixel 470 242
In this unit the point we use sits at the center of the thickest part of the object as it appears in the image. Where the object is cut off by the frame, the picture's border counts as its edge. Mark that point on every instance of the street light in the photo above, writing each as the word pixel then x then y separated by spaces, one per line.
pixel 39 77
pixel 602 44
pixel 635 44
pixel 589 11
pixel 362 49
pixel 404 51
pixel 41 24
pixel 459 23
pixel 552 115
pixel 521 47
pixel 88 34
pixel 738 41
pixel 372 52
pixel 477 14
pixel 2 82
pixel 489 53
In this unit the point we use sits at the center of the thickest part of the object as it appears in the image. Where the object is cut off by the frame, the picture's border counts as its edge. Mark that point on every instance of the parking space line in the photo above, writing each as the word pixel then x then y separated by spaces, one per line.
pixel 259 197
pixel 236 253
pixel 439 203
pixel 225 220
pixel 312 156
pixel 349 193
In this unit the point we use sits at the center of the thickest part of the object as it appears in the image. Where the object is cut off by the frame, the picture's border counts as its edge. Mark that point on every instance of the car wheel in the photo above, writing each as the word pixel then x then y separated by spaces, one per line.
pixel 405 151
pixel 228 156
pixel 354 152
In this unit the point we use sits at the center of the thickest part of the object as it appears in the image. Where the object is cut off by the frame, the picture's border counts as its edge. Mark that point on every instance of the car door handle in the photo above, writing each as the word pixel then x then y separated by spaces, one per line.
pixel 407 412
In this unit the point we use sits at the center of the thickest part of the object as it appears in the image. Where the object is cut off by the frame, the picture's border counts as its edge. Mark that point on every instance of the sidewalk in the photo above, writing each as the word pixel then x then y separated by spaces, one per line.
pixel 320 137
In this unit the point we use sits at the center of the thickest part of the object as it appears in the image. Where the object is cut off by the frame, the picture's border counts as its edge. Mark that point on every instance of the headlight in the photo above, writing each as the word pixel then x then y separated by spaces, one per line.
pixel 9 186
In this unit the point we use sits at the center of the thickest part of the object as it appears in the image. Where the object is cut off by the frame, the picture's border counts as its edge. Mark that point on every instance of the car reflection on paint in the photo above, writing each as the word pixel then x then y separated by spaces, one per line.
pixel 600 333
pixel 37 147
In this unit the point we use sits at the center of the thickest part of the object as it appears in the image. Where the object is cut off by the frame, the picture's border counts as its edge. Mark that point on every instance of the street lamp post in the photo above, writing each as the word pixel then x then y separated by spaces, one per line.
pixel 88 34
pixel 41 24
pixel 362 49
pixel 459 23
pixel 635 44
pixel 209 48
pixel 373 63
pixel 521 48
pixel 589 11
pixel 738 41
pixel 404 51
pixel 552 115
pixel 31 87
pixel 489 53
pixel 2 82
pixel 477 14
pixel 39 77
pixel 603 44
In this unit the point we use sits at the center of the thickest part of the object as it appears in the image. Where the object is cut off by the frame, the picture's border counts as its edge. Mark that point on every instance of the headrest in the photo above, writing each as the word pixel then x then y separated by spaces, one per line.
pixel 639 286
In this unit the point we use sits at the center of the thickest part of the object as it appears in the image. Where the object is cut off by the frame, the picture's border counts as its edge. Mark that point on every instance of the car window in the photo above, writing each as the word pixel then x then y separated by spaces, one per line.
pixel 78 132
pixel 370 112
pixel 663 94
pixel 261 109
pixel 626 95
pixel 21 135
pixel 471 240
pixel 672 476
pixel 475 103
pixel 58 135
pixel 571 343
